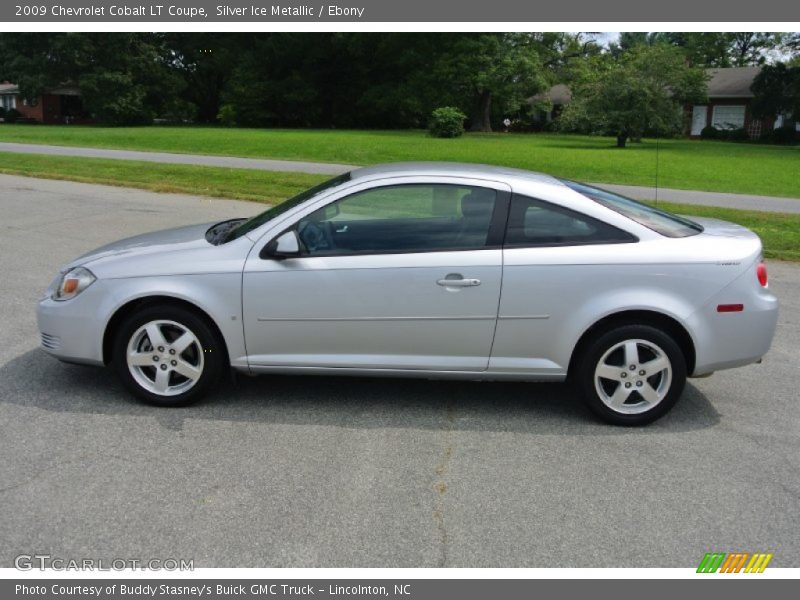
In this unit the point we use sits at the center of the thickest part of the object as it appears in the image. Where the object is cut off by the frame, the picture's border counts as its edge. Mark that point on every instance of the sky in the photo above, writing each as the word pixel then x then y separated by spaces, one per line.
pixel 606 37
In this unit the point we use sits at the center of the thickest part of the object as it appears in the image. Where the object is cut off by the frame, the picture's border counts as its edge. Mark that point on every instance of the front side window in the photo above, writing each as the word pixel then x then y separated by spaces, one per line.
pixel 401 219
pixel 536 223
pixel 662 222
pixel 269 214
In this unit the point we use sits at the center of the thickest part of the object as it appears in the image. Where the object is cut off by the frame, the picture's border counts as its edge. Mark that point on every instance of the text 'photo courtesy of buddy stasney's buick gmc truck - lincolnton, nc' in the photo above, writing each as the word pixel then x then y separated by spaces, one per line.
pixel 430 270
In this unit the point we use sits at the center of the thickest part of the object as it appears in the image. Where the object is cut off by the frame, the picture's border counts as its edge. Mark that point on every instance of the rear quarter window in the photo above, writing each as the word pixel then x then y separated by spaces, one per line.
pixel 533 222
pixel 660 221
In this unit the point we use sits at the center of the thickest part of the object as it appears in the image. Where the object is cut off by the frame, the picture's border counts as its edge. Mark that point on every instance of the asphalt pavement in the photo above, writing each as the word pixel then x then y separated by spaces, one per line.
pixel 315 471
pixel 724 199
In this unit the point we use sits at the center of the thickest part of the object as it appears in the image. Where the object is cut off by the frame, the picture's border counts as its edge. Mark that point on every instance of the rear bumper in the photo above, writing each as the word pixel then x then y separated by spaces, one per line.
pixel 735 339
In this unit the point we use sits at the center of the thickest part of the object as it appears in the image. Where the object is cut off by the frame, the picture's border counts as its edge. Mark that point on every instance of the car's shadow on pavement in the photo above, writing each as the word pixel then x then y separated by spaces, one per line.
pixel 36 380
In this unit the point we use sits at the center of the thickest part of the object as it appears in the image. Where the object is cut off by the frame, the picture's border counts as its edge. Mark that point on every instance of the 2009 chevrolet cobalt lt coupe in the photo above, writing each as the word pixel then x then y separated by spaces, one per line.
pixel 426 270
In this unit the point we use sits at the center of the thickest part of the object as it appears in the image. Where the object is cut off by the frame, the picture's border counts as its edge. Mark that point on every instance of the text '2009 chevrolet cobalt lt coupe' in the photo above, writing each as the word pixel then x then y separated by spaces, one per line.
pixel 426 270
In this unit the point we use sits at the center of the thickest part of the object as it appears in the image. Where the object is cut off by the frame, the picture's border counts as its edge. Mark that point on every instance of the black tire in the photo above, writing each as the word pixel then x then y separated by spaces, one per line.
pixel 211 363
pixel 596 350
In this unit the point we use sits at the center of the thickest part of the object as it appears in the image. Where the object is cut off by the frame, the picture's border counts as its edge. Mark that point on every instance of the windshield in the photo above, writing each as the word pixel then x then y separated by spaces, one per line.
pixel 659 221
pixel 281 208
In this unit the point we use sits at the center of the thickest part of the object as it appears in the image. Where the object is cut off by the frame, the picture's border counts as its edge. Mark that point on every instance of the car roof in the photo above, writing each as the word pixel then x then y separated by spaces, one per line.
pixel 452 169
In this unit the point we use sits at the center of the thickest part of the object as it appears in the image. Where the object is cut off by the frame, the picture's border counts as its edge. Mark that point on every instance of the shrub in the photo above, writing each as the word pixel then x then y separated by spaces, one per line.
pixel 227 115
pixel 782 135
pixel 737 135
pixel 12 114
pixel 710 133
pixel 447 122
pixel 179 112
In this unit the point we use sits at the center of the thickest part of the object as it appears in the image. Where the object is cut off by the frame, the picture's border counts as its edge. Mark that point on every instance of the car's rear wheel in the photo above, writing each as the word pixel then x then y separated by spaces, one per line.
pixel 632 374
pixel 168 355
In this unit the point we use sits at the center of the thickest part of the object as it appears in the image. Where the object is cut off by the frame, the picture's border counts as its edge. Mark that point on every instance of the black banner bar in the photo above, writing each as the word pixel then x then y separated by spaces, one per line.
pixel 244 11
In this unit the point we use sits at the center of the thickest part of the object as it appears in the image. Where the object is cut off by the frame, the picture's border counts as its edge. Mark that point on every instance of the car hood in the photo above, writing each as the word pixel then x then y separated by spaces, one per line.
pixel 168 240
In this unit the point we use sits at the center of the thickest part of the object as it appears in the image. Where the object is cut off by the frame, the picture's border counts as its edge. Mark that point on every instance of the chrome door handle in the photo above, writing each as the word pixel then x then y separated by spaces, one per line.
pixel 342 229
pixel 458 282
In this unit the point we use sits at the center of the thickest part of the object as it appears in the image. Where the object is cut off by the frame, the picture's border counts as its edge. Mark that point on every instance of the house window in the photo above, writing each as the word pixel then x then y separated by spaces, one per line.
pixel 9 101
pixel 728 117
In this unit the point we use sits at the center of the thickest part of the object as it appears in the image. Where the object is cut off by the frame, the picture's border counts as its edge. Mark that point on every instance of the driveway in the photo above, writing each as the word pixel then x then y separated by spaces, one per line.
pixel 302 471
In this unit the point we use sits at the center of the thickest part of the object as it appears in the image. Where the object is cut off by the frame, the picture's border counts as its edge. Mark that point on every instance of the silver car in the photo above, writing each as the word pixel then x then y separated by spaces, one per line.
pixel 427 270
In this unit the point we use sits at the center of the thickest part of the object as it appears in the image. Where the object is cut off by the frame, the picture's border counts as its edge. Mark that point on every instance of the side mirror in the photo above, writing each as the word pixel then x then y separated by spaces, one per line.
pixel 330 211
pixel 286 245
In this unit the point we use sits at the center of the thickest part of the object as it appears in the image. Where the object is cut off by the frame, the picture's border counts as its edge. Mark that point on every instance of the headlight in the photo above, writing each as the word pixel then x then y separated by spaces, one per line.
pixel 72 283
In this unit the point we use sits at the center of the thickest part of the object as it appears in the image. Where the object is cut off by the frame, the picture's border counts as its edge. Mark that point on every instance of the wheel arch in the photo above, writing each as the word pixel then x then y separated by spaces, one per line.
pixel 662 321
pixel 130 307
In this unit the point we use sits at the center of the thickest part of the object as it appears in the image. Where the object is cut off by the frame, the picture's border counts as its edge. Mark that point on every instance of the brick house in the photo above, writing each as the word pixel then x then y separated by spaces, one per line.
pixel 57 105
pixel 728 105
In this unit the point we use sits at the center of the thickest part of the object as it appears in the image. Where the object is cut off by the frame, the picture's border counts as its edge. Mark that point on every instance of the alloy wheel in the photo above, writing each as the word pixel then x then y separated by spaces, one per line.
pixel 633 376
pixel 165 357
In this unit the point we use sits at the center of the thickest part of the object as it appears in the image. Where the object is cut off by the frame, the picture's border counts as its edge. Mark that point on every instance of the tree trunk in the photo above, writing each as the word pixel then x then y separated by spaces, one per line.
pixel 484 116
pixel 621 139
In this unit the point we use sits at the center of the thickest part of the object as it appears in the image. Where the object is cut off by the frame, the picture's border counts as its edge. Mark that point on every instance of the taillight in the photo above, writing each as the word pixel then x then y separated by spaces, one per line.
pixel 761 272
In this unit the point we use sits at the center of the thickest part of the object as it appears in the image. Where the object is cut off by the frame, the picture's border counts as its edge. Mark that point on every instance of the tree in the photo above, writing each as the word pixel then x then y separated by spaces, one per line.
pixel 297 79
pixel 562 54
pixel 709 49
pixel 494 71
pixel 792 47
pixel 777 92
pixel 751 47
pixel 628 40
pixel 205 61
pixel 384 80
pixel 644 90
pixel 702 48
pixel 403 85
pixel 123 77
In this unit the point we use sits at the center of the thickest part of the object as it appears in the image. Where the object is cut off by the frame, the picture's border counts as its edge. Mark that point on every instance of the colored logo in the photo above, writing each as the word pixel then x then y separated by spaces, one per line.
pixel 735 562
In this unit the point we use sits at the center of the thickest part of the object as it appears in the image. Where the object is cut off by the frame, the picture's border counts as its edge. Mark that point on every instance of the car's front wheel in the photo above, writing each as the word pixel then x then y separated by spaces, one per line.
pixel 632 374
pixel 167 356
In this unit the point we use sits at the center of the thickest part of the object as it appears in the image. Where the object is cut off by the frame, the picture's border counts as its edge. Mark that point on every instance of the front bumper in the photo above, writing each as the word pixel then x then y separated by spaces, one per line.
pixel 72 330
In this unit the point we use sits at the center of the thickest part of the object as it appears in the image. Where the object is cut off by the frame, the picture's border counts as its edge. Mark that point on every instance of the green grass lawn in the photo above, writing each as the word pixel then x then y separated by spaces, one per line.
pixel 683 164
pixel 779 232
pixel 242 184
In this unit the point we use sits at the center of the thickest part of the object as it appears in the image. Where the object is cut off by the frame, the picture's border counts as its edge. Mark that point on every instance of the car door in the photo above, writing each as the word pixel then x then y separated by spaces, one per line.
pixel 553 267
pixel 401 275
